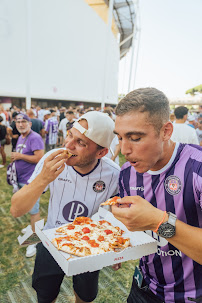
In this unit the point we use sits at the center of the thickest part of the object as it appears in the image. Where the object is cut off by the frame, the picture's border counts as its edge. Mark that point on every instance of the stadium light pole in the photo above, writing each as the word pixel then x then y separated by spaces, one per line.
pixel 136 31
pixel 107 52
pixel 28 54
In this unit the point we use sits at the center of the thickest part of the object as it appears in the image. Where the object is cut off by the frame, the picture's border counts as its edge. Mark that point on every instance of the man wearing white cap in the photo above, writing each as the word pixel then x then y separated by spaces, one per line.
pixel 77 187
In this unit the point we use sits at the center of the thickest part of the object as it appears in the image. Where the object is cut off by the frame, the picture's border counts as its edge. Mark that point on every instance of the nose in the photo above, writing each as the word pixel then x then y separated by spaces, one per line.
pixel 69 143
pixel 126 148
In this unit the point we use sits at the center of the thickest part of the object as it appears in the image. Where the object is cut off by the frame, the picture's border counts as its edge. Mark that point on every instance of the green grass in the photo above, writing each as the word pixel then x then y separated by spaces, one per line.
pixel 16 268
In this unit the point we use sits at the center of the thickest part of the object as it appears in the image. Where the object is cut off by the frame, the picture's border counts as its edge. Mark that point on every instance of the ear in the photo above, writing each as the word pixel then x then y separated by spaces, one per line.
pixel 167 130
pixel 101 153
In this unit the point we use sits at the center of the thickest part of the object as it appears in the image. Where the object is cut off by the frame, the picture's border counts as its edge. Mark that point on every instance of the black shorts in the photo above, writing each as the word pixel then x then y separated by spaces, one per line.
pixel 48 276
pixel 142 295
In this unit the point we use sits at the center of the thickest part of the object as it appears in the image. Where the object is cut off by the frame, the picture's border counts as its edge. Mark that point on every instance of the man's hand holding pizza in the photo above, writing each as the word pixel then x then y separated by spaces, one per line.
pixel 53 165
pixel 137 214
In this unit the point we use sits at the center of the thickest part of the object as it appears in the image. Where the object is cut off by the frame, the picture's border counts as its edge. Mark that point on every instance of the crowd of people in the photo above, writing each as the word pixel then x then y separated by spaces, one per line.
pixel 159 187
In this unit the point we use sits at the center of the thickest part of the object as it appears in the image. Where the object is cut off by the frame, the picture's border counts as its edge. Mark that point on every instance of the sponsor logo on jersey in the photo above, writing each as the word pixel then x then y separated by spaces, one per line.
pixel 99 186
pixel 173 185
pixel 63 179
pixel 74 209
pixel 170 252
pixel 137 188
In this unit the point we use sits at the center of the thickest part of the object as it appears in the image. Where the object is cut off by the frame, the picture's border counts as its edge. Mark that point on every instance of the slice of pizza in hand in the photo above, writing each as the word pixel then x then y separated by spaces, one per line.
pixel 67 154
pixel 111 201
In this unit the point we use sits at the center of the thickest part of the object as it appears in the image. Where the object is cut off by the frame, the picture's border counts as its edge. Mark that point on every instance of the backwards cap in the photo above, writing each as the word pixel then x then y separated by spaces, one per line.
pixel 23 116
pixel 100 128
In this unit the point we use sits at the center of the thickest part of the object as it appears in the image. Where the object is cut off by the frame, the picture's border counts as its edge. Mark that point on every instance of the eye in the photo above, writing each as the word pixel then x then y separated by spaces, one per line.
pixel 81 143
pixel 135 139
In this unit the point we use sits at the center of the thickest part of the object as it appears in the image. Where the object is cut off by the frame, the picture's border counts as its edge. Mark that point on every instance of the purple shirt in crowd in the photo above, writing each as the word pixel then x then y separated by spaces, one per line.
pixel 51 126
pixel 176 188
pixel 25 169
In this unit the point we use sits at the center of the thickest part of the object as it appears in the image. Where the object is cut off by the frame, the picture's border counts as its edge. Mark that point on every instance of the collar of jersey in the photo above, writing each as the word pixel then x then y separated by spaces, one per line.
pixel 158 172
pixel 83 175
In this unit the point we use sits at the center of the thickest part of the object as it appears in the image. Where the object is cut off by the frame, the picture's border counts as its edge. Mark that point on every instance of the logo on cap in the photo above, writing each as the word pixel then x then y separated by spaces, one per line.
pixel 173 185
pixel 99 186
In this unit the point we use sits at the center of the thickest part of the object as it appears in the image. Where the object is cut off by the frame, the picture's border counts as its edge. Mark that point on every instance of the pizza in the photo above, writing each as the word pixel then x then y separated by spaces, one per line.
pixel 66 153
pixel 111 201
pixel 85 237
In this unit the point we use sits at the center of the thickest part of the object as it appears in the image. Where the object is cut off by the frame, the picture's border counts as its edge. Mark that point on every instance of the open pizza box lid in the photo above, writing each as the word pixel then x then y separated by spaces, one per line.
pixel 142 245
pixel 29 237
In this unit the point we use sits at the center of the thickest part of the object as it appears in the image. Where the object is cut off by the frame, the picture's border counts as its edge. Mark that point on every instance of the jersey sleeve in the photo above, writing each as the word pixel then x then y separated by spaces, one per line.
pixel 37 143
pixel 38 170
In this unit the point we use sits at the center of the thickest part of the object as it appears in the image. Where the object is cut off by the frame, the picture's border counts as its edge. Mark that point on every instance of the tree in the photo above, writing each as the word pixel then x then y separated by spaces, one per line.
pixel 194 90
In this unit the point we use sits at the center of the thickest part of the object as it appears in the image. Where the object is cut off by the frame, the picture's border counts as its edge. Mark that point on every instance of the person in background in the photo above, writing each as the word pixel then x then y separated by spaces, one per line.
pixel 160 190
pixel 181 131
pixel 37 125
pixel 192 121
pixel 114 149
pixel 172 117
pixel 2 114
pixel 71 119
pixel 51 131
pixel 3 133
pixel 62 113
pixel 199 129
pixel 29 150
pixel 92 178
pixel 13 131
pixel 63 128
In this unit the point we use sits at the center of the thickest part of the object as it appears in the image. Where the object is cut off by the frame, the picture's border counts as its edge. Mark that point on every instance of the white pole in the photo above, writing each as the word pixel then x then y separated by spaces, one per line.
pixel 138 45
pixel 132 53
pixel 107 52
pixel 28 54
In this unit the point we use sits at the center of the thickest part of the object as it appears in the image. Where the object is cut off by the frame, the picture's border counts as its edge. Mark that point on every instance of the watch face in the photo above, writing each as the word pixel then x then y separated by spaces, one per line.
pixel 166 230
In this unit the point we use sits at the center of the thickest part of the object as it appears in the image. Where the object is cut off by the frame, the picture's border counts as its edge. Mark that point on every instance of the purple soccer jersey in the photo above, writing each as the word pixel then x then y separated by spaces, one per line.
pixel 51 126
pixel 176 188
pixel 25 169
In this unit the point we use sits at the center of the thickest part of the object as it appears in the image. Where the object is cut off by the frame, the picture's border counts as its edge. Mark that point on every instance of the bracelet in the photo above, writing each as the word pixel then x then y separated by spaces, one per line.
pixel 160 222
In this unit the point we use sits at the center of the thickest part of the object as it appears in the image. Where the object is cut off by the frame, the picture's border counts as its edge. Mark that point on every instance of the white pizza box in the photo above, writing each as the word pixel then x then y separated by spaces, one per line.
pixel 29 237
pixel 142 245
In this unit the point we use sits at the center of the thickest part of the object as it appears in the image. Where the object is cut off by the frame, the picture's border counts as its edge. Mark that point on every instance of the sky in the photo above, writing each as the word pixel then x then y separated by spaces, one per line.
pixel 169 56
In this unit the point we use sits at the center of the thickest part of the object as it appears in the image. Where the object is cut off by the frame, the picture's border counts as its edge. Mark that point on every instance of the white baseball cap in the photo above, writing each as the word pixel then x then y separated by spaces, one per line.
pixel 191 118
pixel 100 128
pixel 46 112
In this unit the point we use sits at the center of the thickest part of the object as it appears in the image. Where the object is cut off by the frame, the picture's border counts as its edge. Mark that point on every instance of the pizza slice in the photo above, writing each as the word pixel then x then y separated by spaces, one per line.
pixel 111 201
pixel 67 154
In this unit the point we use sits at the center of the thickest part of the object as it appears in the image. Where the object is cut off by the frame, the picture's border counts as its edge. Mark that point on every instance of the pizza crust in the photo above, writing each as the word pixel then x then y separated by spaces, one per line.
pixel 111 201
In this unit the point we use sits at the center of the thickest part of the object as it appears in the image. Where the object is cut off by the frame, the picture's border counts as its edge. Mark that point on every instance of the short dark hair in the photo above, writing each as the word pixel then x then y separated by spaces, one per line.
pixel 150 100
pixel 180 112
pixel 70 112
pixel 107 111
pixel 14 114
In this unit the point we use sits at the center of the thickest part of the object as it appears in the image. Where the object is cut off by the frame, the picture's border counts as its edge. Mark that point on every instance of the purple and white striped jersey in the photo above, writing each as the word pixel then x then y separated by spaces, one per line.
pixel 176 188
pixel 51 126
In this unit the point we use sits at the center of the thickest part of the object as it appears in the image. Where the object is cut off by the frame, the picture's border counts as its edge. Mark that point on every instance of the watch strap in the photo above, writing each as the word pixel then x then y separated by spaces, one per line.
pixel 171 218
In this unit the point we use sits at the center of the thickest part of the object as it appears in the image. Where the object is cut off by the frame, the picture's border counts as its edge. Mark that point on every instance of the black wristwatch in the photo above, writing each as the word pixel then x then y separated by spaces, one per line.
pixel 167 229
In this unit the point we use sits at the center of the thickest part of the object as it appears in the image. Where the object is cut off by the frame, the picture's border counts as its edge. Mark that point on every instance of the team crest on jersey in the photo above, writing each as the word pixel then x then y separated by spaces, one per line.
pixel 99 186
pixel 173 185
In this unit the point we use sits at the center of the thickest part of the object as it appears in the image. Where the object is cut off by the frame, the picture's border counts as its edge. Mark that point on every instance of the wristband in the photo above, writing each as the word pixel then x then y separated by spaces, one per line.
pixel 164 215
